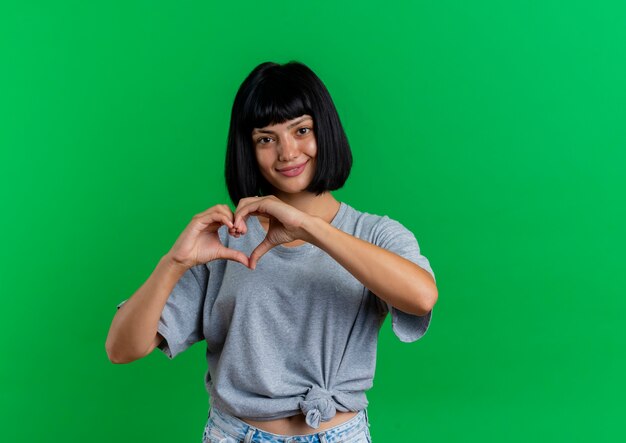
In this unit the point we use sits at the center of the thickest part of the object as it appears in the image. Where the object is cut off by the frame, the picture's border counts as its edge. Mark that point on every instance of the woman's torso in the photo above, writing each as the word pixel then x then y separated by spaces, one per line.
pixel 296 424
pixel 275 344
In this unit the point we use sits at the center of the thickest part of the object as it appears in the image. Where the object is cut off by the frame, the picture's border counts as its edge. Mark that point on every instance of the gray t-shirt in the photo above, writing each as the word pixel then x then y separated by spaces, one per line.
pixel 296 335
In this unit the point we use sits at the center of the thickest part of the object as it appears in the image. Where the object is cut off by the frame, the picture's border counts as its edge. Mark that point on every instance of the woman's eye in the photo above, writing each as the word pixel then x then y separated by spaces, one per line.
pixel 301 131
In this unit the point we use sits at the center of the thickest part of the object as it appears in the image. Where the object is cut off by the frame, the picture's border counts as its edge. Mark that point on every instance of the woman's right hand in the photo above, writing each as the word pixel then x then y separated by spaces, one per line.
pixel 199 243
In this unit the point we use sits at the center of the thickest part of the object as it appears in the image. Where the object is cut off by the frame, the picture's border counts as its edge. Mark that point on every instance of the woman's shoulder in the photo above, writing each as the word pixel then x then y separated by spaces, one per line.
pixel 370 222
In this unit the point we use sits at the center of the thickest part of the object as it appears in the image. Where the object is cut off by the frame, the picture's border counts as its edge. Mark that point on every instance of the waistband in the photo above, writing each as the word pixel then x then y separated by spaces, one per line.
pixel 242 431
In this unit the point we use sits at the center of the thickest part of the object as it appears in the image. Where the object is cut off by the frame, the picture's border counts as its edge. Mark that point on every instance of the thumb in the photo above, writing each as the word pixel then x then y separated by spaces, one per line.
pixel 231 254
pixel 259 251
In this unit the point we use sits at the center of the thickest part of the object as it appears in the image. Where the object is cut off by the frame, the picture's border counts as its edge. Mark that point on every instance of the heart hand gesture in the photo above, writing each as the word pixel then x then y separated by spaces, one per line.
pixel 285 223
pixel 199 243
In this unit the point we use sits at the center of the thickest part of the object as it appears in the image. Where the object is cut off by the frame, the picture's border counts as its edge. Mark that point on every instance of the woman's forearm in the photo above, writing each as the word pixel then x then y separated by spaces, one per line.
pixel 394 279
pixel 134 326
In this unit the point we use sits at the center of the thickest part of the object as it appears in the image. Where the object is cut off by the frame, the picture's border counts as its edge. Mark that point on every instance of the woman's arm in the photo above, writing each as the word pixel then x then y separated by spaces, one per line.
pixel 394 279
pixel 133 333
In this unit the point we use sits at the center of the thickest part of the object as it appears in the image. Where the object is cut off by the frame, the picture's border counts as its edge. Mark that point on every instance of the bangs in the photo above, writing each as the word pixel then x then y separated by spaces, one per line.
pixel 275 101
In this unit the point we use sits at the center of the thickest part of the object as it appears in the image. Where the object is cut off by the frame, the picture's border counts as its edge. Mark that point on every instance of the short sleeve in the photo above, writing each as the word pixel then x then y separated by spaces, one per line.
pixel 181 323
pixel 393 236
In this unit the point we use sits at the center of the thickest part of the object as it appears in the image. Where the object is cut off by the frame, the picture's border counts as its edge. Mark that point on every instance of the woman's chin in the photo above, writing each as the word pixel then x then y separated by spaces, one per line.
pixel 290 190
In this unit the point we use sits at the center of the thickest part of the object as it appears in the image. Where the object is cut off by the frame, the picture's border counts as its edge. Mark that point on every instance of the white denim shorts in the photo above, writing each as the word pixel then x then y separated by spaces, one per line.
pixel 225 428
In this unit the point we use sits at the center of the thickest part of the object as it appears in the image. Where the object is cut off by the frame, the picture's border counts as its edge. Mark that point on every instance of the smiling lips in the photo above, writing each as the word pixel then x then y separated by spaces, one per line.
pixel 292 171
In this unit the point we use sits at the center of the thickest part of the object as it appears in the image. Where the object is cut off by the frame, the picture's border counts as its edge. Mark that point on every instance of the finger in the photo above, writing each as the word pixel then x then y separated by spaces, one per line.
pixel 213 217
pixel 219 209
pixel 215 208
pixel 247 207
pixel 225 209
pixel 240 216
pixel 231 254
pixel 259 252
pixel 235 234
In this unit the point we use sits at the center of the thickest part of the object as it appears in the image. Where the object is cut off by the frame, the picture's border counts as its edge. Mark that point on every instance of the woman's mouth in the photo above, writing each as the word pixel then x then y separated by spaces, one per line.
pixel 292 171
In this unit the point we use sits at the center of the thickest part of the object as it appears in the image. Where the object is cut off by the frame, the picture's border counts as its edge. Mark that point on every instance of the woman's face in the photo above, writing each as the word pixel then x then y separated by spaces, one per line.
pixel 286 154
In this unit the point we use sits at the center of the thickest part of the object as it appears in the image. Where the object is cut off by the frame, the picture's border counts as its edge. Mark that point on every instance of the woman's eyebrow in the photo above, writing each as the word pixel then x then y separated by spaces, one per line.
pixel 288 127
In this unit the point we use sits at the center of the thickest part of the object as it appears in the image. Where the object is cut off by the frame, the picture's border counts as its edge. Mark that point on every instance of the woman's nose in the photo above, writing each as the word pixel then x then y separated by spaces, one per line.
pixel 288 149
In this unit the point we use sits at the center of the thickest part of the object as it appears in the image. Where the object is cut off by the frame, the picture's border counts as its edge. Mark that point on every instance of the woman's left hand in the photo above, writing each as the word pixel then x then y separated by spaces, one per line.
pixel 285 223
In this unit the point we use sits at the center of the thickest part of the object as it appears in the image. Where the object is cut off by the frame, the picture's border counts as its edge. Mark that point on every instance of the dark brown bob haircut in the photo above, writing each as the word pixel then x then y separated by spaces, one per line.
pixel 272 94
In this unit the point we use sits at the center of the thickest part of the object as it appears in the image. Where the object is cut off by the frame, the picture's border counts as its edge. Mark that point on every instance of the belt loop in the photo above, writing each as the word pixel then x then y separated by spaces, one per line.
pixel 322 436
pixel 249 434
pixel 367 419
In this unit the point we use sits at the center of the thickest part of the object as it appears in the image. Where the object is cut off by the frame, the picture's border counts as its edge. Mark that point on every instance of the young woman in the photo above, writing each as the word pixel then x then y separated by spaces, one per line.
pixel 290 289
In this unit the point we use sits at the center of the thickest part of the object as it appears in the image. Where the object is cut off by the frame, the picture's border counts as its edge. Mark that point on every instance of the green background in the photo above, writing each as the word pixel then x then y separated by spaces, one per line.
pixel 493 130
